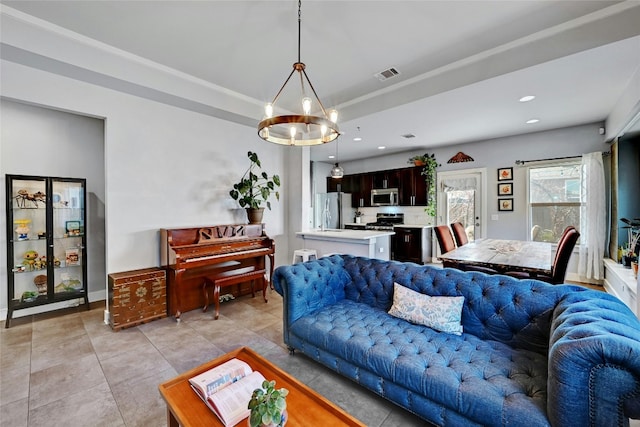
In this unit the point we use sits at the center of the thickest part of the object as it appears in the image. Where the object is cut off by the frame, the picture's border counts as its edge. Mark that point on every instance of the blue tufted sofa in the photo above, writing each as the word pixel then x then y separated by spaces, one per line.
pixel 531 354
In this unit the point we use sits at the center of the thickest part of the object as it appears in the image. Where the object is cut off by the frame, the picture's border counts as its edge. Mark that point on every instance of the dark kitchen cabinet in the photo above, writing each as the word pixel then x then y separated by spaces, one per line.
pixel 411 185
pixel 411 244
pixel 413 190
pixel 361 190
pixel 339 185
pixel 386 179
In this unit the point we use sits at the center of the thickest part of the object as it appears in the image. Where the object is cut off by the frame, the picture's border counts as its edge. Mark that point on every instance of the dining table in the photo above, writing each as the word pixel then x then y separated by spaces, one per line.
pixel 502 256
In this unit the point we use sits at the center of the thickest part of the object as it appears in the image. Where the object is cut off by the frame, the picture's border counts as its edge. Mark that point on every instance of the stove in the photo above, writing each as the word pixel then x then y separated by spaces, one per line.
pixel 385 221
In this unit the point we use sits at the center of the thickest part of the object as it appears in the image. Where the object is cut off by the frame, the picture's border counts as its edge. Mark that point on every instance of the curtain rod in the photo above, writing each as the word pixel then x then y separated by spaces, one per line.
pixel 522 162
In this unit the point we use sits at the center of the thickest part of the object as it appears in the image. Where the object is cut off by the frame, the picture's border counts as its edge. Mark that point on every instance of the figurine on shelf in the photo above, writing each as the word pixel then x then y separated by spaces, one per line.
pixel 41 283
pixel 22 230
pixel 30 259
pixel 40 263
pixel 24 196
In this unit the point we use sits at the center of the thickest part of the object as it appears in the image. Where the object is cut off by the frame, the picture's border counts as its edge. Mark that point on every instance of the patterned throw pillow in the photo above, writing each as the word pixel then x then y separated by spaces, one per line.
pixel 439 313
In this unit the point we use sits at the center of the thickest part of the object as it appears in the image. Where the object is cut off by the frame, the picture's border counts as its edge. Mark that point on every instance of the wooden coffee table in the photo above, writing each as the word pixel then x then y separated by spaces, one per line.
pixel 304 406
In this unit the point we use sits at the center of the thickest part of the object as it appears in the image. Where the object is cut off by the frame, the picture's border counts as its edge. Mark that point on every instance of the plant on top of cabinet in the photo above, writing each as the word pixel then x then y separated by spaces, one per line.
pixel 255 188
pixel 429 165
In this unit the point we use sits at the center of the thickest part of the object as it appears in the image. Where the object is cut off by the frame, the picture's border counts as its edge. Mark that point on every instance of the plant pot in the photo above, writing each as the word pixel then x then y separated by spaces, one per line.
pixel 255 215
pixel 283 421
pixel 418 163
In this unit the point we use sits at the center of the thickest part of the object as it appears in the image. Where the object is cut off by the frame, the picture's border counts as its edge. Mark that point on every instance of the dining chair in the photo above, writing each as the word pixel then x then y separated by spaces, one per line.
pixel 445 238
pixel 445 241
pixel 459 233
pixel 559 267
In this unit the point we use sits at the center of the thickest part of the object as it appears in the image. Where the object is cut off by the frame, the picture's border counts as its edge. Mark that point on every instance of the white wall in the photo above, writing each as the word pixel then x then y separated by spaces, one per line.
pixel 493 154
pixel 165 166
pixel 44 142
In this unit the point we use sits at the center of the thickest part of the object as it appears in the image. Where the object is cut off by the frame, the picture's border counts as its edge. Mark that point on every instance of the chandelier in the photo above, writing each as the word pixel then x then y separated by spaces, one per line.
pixel 299 129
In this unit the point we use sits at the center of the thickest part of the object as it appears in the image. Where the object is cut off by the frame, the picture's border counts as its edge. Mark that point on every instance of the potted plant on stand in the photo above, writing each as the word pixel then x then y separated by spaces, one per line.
pixel 254 189
pixel 268 406
pixel 429 164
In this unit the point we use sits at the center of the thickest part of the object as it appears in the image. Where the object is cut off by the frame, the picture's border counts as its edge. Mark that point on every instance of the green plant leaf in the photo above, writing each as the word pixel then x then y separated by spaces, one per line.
pixel 255 188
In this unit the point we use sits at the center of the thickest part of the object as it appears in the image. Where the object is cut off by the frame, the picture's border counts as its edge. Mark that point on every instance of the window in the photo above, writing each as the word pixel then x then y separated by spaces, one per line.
pixel 554 199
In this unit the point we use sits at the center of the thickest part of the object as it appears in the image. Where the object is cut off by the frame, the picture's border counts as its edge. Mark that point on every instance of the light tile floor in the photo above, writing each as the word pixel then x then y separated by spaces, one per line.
pixel 70 369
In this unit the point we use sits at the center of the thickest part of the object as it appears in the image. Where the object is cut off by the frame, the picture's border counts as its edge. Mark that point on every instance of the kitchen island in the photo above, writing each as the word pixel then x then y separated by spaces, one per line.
pixel 368 243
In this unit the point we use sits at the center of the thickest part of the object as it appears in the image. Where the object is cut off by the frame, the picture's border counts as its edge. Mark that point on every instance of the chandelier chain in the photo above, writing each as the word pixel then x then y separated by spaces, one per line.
pixel 299 26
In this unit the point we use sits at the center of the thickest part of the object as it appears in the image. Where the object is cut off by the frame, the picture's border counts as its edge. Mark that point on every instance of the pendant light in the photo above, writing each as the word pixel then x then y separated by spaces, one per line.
pixel 337 172
pixel 302 129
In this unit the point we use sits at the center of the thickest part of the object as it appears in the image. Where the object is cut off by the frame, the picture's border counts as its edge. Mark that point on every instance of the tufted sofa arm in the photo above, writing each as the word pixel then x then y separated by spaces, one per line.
pixel 595 341
pixel 309 286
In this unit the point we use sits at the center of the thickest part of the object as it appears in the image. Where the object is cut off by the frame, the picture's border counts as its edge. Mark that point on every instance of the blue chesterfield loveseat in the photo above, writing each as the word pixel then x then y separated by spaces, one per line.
pixel 531 354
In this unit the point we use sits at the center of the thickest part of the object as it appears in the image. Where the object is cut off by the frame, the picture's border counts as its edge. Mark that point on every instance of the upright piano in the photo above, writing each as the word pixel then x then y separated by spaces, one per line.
pixel 193 255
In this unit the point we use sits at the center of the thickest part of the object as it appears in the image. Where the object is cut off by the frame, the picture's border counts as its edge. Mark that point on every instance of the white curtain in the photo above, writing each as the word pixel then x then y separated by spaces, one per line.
pixel 459 184
pixel 592 217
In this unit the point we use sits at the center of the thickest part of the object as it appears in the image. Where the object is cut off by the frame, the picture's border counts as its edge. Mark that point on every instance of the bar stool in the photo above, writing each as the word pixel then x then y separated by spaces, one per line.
pixel 302 255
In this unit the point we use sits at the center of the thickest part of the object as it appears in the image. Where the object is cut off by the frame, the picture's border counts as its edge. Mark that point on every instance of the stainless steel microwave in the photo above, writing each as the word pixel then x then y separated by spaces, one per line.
pixel 384 197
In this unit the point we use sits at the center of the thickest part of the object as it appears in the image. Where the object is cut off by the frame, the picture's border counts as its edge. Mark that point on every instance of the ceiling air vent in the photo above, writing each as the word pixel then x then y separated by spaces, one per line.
pixel 408 135
pixel 386 74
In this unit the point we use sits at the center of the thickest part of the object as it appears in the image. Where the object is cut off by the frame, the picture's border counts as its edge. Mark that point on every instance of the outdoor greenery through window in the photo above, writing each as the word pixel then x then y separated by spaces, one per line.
pixel 554 200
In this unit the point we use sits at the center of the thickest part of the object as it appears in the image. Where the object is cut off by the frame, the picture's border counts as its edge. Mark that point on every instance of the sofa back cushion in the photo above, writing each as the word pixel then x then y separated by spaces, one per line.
pixel 515 312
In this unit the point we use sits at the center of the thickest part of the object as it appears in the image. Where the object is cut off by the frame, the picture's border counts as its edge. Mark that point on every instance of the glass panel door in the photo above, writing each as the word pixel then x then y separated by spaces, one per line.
pixel 27 247
pixel 68 206
pixel 461 207
pixel 461 199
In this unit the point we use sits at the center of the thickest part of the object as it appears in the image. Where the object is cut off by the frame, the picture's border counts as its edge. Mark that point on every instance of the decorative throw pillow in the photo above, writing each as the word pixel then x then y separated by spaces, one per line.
pixel 439 313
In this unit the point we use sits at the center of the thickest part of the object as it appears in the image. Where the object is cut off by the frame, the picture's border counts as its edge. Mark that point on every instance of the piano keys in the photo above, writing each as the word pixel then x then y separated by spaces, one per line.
pixel 194 255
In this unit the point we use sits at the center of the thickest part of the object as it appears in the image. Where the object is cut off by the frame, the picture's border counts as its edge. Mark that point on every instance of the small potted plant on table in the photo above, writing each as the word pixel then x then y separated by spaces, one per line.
pixel 268 406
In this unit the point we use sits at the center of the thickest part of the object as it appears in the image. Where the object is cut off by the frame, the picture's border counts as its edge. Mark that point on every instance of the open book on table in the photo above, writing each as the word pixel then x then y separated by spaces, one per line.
pixel 227 389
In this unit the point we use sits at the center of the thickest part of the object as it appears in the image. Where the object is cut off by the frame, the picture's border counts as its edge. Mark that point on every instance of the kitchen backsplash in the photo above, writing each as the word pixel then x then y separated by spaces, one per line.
pixel 412 215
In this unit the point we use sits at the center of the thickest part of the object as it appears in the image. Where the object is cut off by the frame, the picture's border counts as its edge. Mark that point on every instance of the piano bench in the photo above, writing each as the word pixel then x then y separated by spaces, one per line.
pixel 228 280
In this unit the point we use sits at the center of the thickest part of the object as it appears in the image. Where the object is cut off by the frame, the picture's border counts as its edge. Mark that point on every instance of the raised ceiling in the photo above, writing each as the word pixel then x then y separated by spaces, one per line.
pixel 463 64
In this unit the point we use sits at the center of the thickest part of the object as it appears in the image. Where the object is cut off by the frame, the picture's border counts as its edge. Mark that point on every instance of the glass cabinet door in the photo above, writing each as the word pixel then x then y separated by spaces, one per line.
pixel 68 207
pixel 27 239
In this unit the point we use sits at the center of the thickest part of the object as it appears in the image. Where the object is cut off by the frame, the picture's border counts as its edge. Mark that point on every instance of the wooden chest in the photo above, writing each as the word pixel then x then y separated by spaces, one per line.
pixel 136 297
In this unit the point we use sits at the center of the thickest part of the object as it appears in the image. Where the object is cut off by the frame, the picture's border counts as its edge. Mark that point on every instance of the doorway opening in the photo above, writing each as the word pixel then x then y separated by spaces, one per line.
pixel 461 198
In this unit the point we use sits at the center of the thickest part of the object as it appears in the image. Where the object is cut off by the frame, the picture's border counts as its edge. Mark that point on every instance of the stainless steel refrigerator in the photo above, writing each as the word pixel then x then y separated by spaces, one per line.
pixel 334 209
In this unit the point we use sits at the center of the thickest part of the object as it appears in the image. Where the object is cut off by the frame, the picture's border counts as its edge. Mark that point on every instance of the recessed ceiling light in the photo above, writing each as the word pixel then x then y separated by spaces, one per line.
pixel 332 156
pixel 527 98
pixel 357 138
pixel 532 121
pixel 382 147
